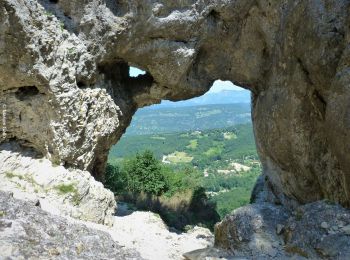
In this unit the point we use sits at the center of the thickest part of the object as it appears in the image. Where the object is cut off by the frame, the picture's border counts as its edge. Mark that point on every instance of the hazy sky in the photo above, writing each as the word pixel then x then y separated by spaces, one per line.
pixel 218 85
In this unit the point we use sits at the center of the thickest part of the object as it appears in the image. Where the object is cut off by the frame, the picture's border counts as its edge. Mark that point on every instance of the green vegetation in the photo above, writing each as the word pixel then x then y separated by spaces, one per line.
pixel 149 121
pixel 69 189
pixel 232 191
pixel 65 188
pixel 209 149
pixel 179 157
pixel 175 190
pixel 62 26
pixel 48 13
pixel 192 177
pixel 143 174
pixel 193 144
pixel 175 195
pixel 11 175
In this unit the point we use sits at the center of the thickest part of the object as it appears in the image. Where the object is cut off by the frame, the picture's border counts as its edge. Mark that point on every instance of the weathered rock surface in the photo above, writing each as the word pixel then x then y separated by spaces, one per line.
pixel 147 234
pixel 318 230
pixel 58 190
pixel 28 232
pixel 66 91
pixel 250 231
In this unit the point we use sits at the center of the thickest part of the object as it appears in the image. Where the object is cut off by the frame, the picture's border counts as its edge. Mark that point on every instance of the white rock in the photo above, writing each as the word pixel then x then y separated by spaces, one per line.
pixel 324 225
pixel 33 179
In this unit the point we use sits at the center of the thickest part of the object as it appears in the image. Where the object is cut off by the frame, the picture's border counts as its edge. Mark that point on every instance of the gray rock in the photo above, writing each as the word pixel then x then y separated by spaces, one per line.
pixel 28 232
pixel 251 230
pixel 346 229
pixel 304 237
pixel 324 225
pixel 279 229
pixel 310 238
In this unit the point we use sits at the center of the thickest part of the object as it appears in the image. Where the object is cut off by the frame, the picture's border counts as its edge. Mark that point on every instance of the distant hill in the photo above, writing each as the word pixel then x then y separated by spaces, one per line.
pixel 179 119
pixel 210 98
pixel 204 149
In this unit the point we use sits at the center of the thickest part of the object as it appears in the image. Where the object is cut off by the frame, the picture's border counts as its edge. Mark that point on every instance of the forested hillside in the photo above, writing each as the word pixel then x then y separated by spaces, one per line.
pixel 154 120
pixel 202 149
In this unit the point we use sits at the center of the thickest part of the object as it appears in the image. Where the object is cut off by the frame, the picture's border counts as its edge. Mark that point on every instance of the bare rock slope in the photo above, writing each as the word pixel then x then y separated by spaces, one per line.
pixel 28 232
pixel 61 191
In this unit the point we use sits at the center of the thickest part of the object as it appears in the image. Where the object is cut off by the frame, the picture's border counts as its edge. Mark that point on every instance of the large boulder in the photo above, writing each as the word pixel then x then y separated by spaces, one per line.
pixel 318 230
pixel 252 231
pixel 61 191
pixel 28 232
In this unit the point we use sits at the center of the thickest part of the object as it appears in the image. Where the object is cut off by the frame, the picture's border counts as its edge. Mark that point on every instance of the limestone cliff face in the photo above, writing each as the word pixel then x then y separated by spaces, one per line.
pixel 66 91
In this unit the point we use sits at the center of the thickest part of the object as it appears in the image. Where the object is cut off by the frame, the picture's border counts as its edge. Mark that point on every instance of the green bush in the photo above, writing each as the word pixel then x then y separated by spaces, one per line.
pixel 142 173
pixel 115 178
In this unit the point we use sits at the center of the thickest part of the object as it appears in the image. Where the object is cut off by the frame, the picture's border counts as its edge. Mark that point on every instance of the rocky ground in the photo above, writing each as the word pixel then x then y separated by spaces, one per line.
pixel 319 230
pixel 28 232
pixel 147 234
pixel 64 221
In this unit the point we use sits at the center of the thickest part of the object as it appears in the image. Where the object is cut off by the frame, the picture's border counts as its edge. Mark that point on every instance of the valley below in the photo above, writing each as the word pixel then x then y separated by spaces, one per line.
pixel 221 158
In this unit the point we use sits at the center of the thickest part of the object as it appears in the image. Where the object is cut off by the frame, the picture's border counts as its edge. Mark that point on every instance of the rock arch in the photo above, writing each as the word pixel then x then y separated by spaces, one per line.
pixel 292 55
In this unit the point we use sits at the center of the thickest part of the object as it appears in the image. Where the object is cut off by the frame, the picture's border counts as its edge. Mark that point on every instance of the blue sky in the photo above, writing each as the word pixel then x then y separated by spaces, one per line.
pixel 134 72
pixel 218 85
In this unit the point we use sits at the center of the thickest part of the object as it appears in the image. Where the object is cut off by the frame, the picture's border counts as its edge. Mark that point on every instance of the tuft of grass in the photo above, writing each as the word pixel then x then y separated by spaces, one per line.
pixel 11 175
pixel 71 50
pixel 295 250
pixel 299 215
pixel 56 162
pixel 48 13
pixel 62 26
pixel 69 188
pixel 76 198
pixel 65 188
pixel 2 213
